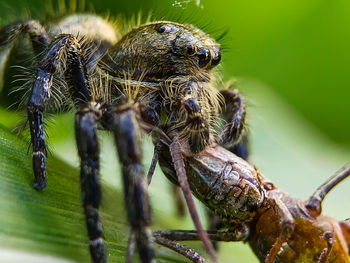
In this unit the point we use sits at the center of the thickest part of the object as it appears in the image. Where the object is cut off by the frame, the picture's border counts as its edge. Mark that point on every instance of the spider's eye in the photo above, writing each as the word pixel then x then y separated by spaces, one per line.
pixel 216 60
pixel 204 57
pixel 164 29
pixel 191 49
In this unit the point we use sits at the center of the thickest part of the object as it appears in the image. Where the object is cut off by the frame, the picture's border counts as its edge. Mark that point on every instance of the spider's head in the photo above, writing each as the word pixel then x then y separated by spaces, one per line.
pixel 165 49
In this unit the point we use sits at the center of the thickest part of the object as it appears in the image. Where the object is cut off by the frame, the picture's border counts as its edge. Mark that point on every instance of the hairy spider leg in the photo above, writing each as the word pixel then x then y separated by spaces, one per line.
pixel 127 134
pixel 76 76
pixel 40 92
pixel 36 31
pixel 88 148
pixel 131 240
pixel 235 115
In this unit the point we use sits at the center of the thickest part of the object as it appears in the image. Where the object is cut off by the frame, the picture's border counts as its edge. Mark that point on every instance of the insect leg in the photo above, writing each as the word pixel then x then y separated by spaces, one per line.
pixel 88 149
pixel 327 251
pixel 235 115
pixel 237 234
pixel 287 225
pixel 77 77
pixel 178 248
pixel 168 239
pixel 128 140
pixel 179 166
pixel 36 31
pixel 179 201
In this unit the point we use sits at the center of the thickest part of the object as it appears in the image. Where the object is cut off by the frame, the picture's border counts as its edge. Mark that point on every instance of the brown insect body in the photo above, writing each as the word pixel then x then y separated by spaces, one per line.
pixel 228 186
pixel 307 241
pixel 240 195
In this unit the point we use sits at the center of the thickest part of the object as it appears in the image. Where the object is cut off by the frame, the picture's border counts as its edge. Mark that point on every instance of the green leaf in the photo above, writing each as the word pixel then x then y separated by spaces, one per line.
pixel 51 221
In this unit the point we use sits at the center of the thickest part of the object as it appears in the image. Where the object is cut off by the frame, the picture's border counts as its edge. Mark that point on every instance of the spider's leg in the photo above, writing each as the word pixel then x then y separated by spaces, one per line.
pixel 127 134
pixel 235 115
pixel 37 33
pixel 76 76
pixel 37 103
pixel 40 93
pixel 88 148
pixel 131 241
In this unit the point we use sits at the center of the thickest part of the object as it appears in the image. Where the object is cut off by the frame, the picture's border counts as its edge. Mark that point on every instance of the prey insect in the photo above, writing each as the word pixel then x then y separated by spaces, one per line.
pixel 278 227
pixel 126 82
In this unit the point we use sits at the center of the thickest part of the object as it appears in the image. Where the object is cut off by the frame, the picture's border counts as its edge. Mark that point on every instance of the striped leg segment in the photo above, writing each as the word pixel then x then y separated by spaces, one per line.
pixel 40 96
pixel 40 92
pixel 128 140
pixel 88 148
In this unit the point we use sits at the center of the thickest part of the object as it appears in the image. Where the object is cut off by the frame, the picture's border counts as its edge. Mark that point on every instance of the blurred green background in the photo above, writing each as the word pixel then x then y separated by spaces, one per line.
pixel 291 59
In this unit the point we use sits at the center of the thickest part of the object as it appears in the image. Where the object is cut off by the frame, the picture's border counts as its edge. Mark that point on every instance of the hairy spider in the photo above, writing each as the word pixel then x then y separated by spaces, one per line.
pixel 159 74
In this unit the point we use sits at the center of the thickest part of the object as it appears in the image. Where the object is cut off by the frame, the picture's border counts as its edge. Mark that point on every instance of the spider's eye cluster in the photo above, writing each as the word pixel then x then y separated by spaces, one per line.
pixel 187 43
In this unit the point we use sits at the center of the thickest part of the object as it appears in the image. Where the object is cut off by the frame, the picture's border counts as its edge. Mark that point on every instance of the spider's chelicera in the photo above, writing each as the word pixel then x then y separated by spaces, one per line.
pixel 159 75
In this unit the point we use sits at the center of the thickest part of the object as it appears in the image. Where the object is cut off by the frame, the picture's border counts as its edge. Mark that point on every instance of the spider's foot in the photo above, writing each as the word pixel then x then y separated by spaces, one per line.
pixel 39 184
pixel 98 251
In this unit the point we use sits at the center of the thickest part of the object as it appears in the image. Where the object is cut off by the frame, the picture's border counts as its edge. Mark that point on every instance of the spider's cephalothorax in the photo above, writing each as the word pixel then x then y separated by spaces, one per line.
pixel 158 74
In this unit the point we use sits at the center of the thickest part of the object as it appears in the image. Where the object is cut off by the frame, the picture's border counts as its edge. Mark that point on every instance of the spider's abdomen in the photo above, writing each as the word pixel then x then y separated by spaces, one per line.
pixel 91 27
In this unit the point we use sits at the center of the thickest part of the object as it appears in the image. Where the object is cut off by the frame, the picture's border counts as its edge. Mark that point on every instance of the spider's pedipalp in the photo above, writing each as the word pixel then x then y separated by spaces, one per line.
pixel 235 115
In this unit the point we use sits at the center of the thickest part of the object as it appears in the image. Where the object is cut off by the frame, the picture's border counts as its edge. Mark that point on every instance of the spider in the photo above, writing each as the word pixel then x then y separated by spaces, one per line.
pixel 159 76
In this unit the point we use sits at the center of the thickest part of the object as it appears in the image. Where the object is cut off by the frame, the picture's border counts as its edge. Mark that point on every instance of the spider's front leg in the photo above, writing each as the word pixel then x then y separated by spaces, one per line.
pixel 124 124
pixel 40 92
pixel 77 78
pixel 88 148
